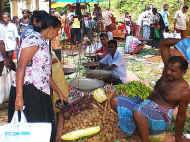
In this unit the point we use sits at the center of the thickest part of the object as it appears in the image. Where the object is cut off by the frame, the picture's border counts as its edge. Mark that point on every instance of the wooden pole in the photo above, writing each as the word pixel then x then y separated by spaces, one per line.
pixel 37 4
pixel 50 6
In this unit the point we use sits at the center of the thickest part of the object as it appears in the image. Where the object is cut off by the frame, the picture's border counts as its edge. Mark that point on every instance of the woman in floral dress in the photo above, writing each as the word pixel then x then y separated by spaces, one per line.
pixel 33 76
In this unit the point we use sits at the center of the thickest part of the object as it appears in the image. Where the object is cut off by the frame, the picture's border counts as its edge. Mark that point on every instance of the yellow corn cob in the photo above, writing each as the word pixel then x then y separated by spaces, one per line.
pixel 77 134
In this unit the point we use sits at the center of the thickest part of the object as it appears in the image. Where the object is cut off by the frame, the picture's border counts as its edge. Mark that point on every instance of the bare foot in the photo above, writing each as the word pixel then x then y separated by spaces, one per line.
pixel 135 138
pixel 169 138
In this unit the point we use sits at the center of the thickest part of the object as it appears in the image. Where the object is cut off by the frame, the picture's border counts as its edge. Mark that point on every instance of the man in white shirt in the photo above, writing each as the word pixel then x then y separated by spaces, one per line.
pixel 180 22
pixel 2 56
pixel 11 37
pixel 107 17
pixel 70 15
pixel 165 15
pixel 107 20
pixel 114 61
pixel 3 60
pixel 88 26
pixel 145 21
pixel 24 21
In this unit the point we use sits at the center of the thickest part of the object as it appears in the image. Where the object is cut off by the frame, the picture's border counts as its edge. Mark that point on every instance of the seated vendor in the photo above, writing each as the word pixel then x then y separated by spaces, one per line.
pixel 181 48
pixel 154 114
pixel 114 61
pixel 104 49
pixel 133 45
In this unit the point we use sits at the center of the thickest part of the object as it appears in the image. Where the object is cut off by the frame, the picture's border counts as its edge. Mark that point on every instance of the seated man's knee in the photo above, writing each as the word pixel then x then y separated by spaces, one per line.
pixel 114 102
pixel 138 115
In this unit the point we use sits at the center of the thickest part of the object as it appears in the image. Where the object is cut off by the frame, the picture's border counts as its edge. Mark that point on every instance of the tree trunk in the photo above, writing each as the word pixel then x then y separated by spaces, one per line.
pixel 183 2
pixel 2 4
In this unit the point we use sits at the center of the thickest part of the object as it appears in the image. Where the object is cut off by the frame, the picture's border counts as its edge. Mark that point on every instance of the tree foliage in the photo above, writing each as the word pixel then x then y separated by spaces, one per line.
pixel 135 7
pixel 4 6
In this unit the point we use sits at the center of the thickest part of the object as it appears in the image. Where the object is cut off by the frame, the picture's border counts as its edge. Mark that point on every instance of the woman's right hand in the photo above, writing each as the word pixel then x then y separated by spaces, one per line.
pixel 19 103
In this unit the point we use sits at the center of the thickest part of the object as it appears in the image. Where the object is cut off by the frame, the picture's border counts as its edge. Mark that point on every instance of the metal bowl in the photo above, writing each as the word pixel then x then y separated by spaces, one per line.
pixel 99 74
pixel 72 53
pixel 90 55
pixel 86 84
pixel 68 69
pixel 91 65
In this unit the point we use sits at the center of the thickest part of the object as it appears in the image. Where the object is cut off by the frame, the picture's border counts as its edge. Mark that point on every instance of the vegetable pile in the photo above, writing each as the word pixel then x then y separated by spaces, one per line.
pixel 106 119
pixel 133 89
pixel 99 115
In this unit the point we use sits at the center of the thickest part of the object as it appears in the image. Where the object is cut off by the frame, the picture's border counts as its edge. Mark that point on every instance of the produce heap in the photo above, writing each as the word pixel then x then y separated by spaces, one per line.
pixel 97 116
pixel 133 89
pixel 101 114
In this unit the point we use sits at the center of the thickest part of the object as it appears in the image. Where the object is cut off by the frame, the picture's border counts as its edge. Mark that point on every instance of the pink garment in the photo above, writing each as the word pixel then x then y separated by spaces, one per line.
pixel 39 70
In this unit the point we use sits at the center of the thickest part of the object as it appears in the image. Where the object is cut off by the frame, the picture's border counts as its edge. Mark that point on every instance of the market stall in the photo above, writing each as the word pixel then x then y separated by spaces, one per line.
pixel 93 110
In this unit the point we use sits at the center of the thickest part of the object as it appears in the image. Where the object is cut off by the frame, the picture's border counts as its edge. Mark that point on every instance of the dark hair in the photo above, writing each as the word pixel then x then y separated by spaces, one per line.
pixel 25 11
pixel 37 14
pixel 104 35
pixel 164 5
pixel 5 13
pixel 126 13
pixel 154 10
pixel 44 20
pixel 113 41
pixel 178 59
pixel 185 7
pixel 54 22
pixel 147 7
pixel 14 19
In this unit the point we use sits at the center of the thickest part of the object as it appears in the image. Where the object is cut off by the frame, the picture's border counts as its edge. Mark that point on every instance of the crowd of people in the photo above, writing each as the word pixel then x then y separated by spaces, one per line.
pixel 29 38
pixel 149 27
pixel 11 36
pixel 153 23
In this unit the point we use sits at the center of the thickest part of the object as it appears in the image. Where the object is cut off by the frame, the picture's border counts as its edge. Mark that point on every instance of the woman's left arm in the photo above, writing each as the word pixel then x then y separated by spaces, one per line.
pixel 55 88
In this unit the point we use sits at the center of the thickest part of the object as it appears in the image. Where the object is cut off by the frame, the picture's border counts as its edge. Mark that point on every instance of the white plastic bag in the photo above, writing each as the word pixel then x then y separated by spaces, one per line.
pixel 25 132
pixel 2 85
pixel 9 78
pixel 5 84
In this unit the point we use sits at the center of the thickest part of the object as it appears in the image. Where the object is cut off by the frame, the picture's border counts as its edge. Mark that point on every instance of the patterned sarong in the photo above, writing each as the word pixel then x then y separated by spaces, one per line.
pixel 158 118
pixel 146 32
